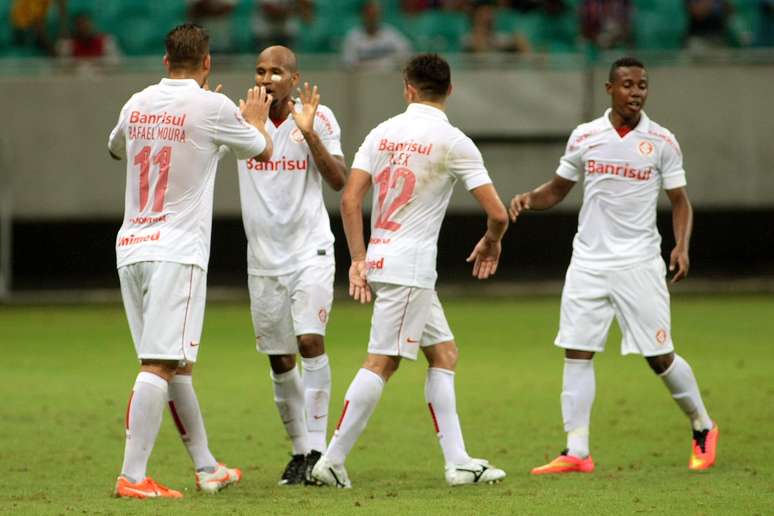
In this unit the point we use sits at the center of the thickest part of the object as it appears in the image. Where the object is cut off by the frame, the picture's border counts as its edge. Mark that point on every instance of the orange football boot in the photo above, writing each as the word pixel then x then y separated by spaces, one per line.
pixel 148 488
pixel 566 464
pixel 703 448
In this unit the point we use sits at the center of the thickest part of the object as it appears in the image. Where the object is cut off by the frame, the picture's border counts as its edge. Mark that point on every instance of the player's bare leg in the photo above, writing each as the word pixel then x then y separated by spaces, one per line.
pixel 442 402
pixel 289 398
pixel 578 391
pixel 143 420
pixel 211 476
pixel 317 395
pixel 681 382
pixel 361 399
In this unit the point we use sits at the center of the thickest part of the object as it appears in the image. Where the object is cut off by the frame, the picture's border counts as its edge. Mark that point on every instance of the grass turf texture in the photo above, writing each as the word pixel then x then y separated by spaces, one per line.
pixel 67 373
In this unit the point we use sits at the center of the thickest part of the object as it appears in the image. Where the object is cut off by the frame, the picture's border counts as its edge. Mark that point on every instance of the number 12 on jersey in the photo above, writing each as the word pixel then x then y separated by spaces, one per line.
pixel 143 160
pixel 388 180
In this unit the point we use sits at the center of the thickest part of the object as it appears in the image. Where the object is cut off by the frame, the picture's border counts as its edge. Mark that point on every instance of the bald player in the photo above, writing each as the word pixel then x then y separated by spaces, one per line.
pixel 290 261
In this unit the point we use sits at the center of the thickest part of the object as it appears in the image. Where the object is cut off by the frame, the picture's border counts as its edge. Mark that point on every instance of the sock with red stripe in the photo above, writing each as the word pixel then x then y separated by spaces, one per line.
pixel 442 402
pixel 143 420
pixel 317 395
pixel 187 415
pixel 359 403
pixel 578 392
pixel 289 398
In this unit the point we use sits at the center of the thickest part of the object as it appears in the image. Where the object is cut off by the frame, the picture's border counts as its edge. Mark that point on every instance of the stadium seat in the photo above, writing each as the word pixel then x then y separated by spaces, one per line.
pixel 435 31
pixel 659 24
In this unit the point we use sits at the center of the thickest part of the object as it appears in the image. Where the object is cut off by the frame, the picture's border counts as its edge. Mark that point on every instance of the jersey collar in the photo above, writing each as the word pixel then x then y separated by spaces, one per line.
pixel 423 109
pixel 643 126
pixel 179 82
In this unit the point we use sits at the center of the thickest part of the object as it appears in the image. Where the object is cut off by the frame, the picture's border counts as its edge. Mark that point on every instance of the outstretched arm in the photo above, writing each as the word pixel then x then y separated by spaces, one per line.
pixel 682 226
pixel 543 197
pixel 486 254
pixel 332 168
pixel 352 216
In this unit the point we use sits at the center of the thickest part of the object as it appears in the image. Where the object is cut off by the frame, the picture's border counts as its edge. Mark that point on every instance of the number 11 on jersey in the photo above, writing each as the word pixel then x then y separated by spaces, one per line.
pixel 388 180
pixel 143 159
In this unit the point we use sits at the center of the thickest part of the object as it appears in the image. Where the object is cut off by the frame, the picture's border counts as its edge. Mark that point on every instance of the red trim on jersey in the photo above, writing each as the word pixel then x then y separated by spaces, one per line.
pixel 402 317
pixel 277 121
pixel 185 317
pixel 128 408
pixel 343 411
pixel 435 421
pixel 623 131
pixel 176 418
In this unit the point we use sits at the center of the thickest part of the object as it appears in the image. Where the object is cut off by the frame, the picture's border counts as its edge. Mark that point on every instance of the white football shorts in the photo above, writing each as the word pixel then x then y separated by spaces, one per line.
pixel 637 297
pixel 164 303
pixel 297 303
pixel 405 319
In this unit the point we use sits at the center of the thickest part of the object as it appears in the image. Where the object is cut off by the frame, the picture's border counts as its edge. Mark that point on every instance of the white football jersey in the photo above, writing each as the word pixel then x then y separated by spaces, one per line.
pixel 284 216
pixel 414 159
pixel 623 177
pixel 170 134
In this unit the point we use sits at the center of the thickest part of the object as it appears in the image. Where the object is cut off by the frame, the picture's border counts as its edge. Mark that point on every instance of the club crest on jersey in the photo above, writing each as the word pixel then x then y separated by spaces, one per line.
pixel 661 336
pixel 645 148
pixel 296 135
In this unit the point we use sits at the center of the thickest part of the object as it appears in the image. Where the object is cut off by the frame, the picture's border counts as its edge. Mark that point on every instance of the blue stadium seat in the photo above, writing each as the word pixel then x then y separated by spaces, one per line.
pixel 435 31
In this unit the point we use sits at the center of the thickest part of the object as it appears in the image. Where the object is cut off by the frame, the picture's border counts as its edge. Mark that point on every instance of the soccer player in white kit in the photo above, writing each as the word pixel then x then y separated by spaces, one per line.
pixel 290 260
pixel 413 160
pixel 170 133
pixel 616 269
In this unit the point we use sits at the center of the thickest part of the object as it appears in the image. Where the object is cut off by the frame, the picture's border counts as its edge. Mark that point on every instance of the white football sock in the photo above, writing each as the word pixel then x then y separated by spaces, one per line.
pixel 578 390
pixel 188 419
pixel 289 398
pixel 442 402
pixel 317 396
pixel 681 382
pixel 359 403
pixel 143 420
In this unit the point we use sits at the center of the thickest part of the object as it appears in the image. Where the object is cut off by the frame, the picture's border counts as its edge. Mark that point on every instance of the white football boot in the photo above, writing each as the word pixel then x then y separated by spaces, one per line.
pixel 223 476
pixel 326 474
pixel 477 471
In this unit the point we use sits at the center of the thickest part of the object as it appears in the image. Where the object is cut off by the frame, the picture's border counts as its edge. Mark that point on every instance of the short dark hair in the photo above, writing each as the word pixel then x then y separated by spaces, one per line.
pixel 187 45
pixel 627 61
pixel 429 74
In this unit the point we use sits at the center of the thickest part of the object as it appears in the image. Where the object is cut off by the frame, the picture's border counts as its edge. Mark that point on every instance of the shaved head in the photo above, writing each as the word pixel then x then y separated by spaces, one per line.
pixel 282 55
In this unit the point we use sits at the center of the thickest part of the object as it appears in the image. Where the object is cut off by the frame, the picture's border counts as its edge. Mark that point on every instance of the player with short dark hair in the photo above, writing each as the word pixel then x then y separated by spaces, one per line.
pixel 171 134
pixel 413 161
pixel 616 269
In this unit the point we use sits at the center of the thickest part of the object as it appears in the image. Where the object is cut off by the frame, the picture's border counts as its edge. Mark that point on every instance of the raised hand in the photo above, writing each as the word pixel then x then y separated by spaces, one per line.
pixel 310 99
pixel 519 203
pixel 256 108
pixel 358 286
pixel 485 257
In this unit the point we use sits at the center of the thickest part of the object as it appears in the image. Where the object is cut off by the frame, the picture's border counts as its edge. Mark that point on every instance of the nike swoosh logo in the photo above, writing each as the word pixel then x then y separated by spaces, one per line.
pixel 143 493
pixel 411 341
pixel 194 344
pixel 320 417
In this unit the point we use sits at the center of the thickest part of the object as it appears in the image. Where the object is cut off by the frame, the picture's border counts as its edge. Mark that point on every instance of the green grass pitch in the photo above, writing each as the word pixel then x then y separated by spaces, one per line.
pixel 66 373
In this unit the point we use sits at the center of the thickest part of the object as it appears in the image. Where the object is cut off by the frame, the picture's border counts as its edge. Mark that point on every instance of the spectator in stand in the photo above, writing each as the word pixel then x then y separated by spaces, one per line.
pixel 483 37
pixel 28 23
pixel 275 23
pixel 607 24
pixel 374 44
pixel 215 16
pixel 707 24
pixel 85 43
